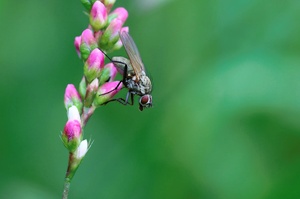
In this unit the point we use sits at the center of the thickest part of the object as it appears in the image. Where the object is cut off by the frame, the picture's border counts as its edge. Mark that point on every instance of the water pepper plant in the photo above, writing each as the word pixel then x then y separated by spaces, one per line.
pixel 98 78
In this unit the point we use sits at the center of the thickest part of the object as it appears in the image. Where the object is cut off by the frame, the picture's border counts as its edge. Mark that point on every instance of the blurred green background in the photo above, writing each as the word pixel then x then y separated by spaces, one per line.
pixel 226 117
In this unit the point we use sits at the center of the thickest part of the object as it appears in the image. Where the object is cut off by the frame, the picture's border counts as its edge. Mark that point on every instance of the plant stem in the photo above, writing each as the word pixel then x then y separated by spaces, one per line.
pixel 66 188
pixel 67 182
pixel 87 113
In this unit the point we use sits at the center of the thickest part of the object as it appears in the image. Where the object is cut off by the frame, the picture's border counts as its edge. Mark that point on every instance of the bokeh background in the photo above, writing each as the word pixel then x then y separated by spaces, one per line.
pixel 226 116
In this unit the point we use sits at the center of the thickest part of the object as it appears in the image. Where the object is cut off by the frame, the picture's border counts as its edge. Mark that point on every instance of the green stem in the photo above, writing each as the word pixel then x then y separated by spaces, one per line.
pixel 67 182
pixel 66 188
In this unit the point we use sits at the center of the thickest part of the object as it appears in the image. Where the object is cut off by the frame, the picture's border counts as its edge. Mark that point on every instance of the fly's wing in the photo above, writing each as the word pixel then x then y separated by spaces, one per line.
pixel 133 53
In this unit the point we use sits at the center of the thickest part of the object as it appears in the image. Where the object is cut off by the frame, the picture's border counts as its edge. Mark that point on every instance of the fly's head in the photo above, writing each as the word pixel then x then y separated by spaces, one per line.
pixel 145 88
pixel 145 102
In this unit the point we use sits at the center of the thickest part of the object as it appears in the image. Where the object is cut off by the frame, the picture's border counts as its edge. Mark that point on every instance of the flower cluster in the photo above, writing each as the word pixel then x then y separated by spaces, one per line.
pixel 102 33
pixel 97 85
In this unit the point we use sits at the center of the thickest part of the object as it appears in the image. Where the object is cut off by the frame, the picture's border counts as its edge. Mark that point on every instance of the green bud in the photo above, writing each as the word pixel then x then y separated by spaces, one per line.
pixel 91 92
pixel 104 76
pixel 82 87
pixel 87 4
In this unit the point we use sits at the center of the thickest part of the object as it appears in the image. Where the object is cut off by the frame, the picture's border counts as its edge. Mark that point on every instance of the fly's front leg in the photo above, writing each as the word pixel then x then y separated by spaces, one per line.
pixel 131 98
pixel 112 89
pixel 123 101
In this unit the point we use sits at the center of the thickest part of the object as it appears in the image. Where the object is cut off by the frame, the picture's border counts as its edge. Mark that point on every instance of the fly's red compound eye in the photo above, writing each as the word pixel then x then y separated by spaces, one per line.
pixel 146 100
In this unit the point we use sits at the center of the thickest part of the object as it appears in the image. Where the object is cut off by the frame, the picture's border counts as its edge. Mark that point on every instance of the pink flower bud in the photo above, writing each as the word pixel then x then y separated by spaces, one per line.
pixel 112 71
pixel 72 97
pixel 98 35
pixel 114 28
pixel 108 73
pixel 87 37
pixel 88 43
pixel 111 34
pixel 98 16
pixel 119 44
pixel 93 65
pixel 72 134
pixel 110 86
pixel 77 43
pixel 121 14
pixel 72 129
pixel 93 86
pixel 106 92
pixel 96 59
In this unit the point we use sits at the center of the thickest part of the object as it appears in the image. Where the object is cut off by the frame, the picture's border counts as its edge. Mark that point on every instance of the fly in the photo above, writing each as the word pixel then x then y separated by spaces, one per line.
pixel 134 75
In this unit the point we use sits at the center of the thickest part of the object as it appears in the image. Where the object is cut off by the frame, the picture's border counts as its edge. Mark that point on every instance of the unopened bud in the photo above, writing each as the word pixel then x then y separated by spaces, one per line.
pixel 119 13
pixel 88 4
pixel 111 35
pixel 72 97
pixel 91 92
pixel 93 65
pixel 108 73
pixel 88 43
pixel 106 92
pixel 82 87
pixel 108 4
pixel 119 43
pixel 77 43
pixel 72 133
pixel 98 16
pixel 81 150
pixel 76 158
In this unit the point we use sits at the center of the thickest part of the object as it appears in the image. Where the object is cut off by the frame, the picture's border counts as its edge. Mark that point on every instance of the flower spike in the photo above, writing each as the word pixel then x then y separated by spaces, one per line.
pixel 98 85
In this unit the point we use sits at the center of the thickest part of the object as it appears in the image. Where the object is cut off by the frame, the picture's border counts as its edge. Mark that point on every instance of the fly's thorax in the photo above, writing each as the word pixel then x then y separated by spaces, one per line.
pixel 145 82
pixel 139 86
pixel 120 63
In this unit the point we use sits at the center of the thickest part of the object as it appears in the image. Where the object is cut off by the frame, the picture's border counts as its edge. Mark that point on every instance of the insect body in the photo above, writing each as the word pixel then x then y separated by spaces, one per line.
pixel 134 75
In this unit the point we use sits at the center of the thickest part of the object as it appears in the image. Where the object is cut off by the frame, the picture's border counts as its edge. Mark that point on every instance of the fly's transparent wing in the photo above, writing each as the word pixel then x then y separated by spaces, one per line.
pixel 133 53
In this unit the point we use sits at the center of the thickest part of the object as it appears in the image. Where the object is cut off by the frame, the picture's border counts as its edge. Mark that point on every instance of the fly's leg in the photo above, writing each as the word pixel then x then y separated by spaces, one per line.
pixel 123 80
pixel 123 101
pixel 124 74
